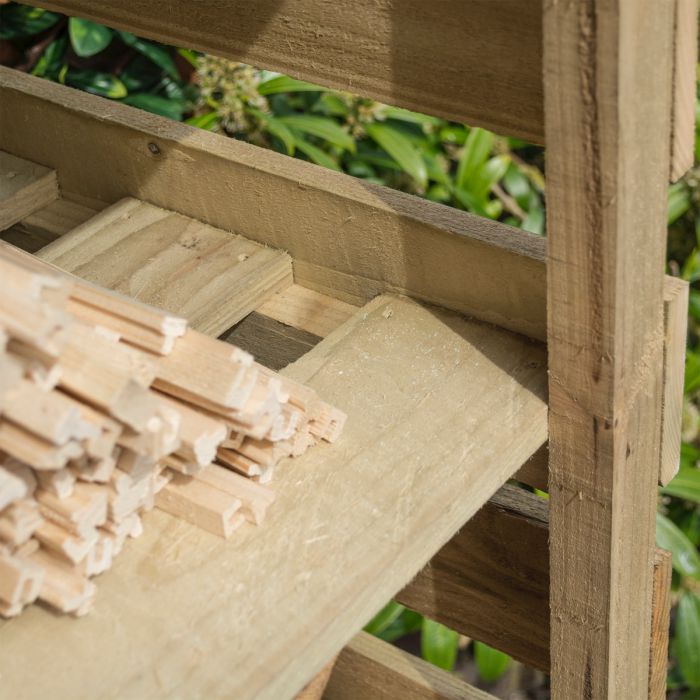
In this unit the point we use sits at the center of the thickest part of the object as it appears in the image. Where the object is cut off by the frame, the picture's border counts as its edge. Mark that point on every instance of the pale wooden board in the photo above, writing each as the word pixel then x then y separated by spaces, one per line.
pixel 307 310
pixel 684 87
pixel 475 61
pixel 370 669
pixel 191 615
pixel 675 331
pixel 349 239
pixel 607 174
pixel 660 625
pixel 491 580
pixel 45 225
pixel 211 277
pixel 24 188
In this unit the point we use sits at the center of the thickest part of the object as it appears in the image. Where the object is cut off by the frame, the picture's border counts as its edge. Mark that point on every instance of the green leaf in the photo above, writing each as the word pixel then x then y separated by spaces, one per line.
pixel 282 132
pixel 439 644
pixel 517 185
pixel 321 127
pixel 405 115
pixel 51 61
pixel 678 201
pixel 384 618
pixel 692 372
pixel 102 84
pixel 315 154
pixel 493 170
pixel 690 455
pixel 155 104
pixel 686 560
pixel 400 148
pixel 283 83
pixel 490 662
pixel 158 54
pixel 21 21
pixel 88 38
pixel 534 221
pixel 688 638
pixel 476 151
pixel 206 121
pixel 406 623
pixel 686 485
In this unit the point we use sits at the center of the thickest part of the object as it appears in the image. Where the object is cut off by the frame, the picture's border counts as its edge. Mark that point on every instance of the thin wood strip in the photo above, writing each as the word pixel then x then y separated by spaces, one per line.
pixel 371 669
pixel 660 625
pixel 685 58
pixel 675 331
pixel 472 61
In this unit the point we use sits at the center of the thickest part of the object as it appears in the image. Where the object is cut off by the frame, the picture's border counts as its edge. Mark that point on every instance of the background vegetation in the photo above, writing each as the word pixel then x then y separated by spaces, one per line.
pixel 469 168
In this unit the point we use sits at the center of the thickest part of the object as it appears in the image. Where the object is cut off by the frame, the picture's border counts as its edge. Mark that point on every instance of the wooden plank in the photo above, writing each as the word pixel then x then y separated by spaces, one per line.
pixel 425 391
pixel 371 669
pixel 535 472
pixel 491 580
pixel 307 310
pixel 272 343
pixel 607 173
pixel 675 331
pixel 348 238
pixel 476 61
pixel 660 624
pixel 24 188
pixel 140 250
pixel 685 58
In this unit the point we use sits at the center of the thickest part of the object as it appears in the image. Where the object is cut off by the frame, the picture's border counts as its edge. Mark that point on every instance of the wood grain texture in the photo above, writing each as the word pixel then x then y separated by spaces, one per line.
pixel 371 669
pixel 660 624
pixel 24 188
pixel 491 580
pixel 474 61
pixel 685 58
pixel 425 391
pixel 675 332
pixel 307 310
pixel 605 63
pixel 45 225
pixel 349 239
pixel 211 277
pixel 272 343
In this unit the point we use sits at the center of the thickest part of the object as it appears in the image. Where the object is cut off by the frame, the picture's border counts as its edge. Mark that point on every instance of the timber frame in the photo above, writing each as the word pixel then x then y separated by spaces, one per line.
pixel 573 586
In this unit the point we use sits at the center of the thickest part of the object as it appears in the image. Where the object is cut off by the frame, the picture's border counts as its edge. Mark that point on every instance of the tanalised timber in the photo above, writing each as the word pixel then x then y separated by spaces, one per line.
pixel 468 60
pixel 349 239
pixel 491 582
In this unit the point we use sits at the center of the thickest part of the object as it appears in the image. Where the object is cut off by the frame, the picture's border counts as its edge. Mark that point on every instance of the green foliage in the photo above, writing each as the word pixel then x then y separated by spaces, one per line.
pixel 439 644
pixel 490 662
pixel 88 56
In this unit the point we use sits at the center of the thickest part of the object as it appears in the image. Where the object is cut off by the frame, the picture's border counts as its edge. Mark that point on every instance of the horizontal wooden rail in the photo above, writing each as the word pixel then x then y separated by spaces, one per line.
pixel 473 61
pixel 348 238
pixel 491 582
pixel 371 669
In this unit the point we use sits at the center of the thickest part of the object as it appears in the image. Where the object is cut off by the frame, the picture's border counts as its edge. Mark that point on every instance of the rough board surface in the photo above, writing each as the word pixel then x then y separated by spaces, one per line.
pixel 441 411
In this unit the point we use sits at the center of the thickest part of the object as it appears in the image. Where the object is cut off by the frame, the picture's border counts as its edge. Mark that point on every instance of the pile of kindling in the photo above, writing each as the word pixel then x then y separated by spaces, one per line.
pixel 109 407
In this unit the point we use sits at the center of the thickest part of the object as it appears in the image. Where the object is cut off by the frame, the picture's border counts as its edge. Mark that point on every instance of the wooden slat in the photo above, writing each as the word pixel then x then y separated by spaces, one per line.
pixel 425 392
pixel 371 669
pixel 685 58
pixel 211 277
pixel 491 581
pixel 675 331
pixel 348 238
pixel 660 624
pixel 468 60
pixel 307 310
pixel 607 173
pixel 24 188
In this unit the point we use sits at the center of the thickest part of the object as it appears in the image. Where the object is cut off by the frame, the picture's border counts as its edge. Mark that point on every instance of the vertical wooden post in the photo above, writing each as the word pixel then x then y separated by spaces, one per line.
pixel 607 109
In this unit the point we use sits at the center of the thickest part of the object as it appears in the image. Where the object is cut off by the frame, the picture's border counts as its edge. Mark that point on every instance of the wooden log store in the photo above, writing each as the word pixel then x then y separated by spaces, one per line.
pixel 464 352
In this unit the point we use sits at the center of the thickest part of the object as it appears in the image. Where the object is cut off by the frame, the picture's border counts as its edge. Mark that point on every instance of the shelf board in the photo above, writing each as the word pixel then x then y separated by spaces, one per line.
pixel 441 412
